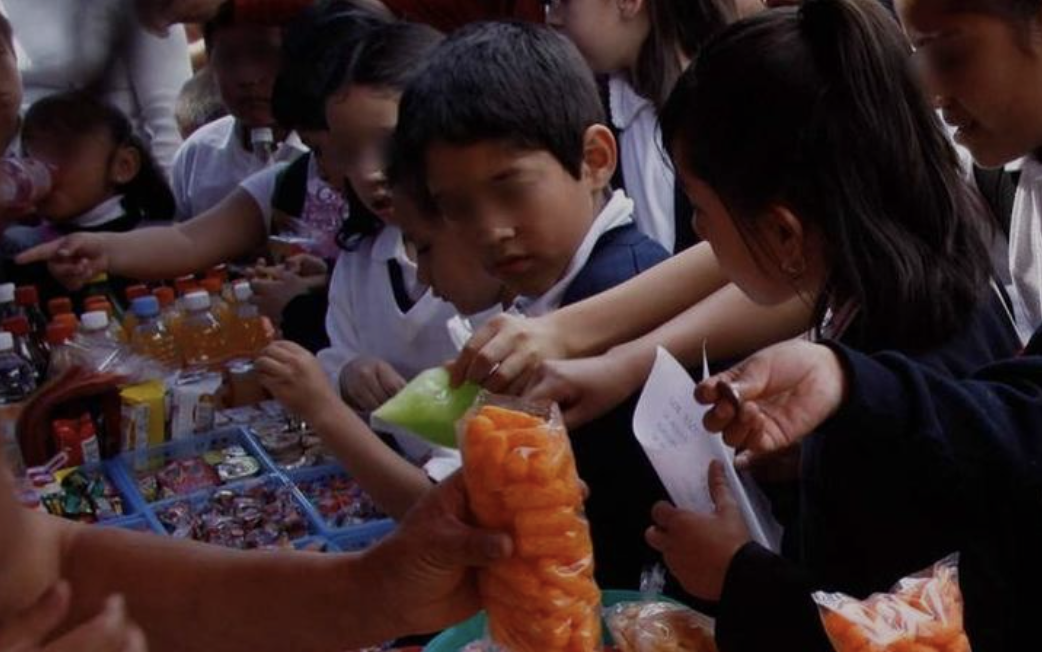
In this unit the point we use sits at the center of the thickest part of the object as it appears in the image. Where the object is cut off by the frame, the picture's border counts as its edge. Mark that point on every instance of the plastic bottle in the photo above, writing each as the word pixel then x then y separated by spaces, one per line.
pixel 24 345
pixel 17 380
pixel 203 341
pixel 95 331
pixel 8 308
pixel 114 327
pixel 151 337
pixel 63 356
pixel 69 319
pixel 250 334
pixel 170 313
pixel 59 306
pixel 28 299
pixel 130 320
pixel 262 139
pixel 99 286
pixel 23 182
pixel 218 306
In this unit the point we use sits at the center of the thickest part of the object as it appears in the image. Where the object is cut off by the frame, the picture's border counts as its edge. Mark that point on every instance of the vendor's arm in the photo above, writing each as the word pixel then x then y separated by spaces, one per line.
pixel 231 229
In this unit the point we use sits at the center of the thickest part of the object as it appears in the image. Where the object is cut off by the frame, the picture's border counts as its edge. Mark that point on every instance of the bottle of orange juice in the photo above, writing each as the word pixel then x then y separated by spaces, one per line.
pixel 250 331
pixel 130 319
pixel 150 337
pixel 218 306
pixel 203 340
pixel 168 310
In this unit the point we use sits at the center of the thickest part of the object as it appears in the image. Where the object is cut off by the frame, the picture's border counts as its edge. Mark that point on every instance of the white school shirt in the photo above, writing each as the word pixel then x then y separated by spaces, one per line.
pixel 62 44
pixel 107 211
pixel 213 162
pixel 649 178
pixel 1025 249
pixel 617 212
pixel 364 319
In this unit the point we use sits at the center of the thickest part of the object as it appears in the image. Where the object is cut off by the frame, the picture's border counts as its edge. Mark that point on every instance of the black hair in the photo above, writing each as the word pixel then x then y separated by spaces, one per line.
pixel 817 109
pixel 514 82
pixel 313 46
pixel 68 116
pixel 388 56
pixel 1013 10
pixel 676 26
pixel 223 19
pixel 6 33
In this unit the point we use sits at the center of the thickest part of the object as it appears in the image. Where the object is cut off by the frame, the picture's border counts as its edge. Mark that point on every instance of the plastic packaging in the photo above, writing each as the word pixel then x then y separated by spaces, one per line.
pixel 100 286
pixel 28 299
pixel 520 476
pixel 26 346
pixel 429 406
pixel 130 321
pixel 168 310
pixel 17 378
pixel 63 355
pixel 194 401
pixel 203 339
pixel 250 333
pixel 218 306
pixel 23 182
pixel 923 613
pixel 150 337
pixel 143 415
pixel 657 626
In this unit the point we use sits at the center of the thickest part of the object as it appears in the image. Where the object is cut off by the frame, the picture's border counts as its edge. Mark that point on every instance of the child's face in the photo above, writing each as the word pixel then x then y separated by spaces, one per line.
pixel 608 33
pixel 361 123
pixel 87 170
pixel 453 272
pixel 246 60
pixel 519 209
pixel 10 94
pixel 984 75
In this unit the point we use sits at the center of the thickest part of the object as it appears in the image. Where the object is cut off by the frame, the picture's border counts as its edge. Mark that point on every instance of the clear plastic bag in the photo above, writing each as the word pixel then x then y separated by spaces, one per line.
pixel 659 627
pixel 520 475
pixel 923 613
pixel 429 407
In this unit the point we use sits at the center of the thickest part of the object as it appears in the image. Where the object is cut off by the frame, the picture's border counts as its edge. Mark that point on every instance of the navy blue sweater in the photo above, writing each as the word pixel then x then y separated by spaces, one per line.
pixel 964 456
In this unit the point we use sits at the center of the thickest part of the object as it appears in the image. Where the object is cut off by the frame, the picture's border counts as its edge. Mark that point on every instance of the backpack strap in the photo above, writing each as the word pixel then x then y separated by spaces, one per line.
pixel 291 188
pixel 999 189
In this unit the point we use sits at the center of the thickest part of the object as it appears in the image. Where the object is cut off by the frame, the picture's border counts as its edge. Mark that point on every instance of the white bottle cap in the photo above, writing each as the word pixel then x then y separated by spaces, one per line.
pixel 7 293
pixel 95 321
pixel 6 341
pixel 196 301
pixel 243 291
pixel 262 136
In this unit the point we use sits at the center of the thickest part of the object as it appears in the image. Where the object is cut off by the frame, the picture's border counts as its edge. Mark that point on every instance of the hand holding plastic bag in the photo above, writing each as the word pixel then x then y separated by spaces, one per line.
pixel 429 407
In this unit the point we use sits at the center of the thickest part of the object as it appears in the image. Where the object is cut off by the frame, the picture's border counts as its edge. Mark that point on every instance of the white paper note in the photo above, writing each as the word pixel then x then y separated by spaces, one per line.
pixel 668 424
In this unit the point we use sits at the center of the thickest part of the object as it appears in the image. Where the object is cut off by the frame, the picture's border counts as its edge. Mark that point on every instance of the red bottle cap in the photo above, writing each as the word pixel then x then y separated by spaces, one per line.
pixel 184 284
pixel 59 333
pixel 67 319
pixel 18 326
pixel 211 285
pixel 136 292
pixel 27 295
pixel 59 306
pixel 165 296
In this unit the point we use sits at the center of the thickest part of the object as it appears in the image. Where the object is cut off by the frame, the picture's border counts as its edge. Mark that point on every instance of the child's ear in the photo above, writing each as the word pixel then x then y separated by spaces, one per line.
pixel 125 165
pixel 630 8
pixel 786 239
pixel 600 156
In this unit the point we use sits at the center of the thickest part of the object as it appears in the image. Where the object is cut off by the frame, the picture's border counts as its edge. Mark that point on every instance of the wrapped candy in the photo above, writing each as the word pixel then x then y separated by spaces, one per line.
pixel 520 476
pixel 341 501
pixel 923 613
pixel 659 627
pixel 83 496
pixel 186 476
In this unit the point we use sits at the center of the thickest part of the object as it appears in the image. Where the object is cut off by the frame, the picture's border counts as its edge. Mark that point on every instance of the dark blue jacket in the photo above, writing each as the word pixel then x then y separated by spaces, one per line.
pixel 964 454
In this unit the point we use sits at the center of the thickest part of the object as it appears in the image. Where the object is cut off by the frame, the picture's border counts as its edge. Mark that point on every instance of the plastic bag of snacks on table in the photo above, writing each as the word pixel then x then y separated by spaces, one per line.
pixel 659 627
pixel 520 476
pixel 923 613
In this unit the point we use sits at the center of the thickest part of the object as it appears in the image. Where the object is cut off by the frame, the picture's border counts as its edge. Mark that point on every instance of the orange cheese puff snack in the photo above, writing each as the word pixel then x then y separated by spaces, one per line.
pixel 659 627
pixel 520 475
pixel 922 613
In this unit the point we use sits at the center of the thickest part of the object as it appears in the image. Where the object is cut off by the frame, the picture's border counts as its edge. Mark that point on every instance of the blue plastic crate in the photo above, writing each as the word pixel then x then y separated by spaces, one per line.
pixel 198 500
pixel 134 463
pixel 315 544
pixel 364 538
pixel 141 523
pixel 302 477
pixel 132 505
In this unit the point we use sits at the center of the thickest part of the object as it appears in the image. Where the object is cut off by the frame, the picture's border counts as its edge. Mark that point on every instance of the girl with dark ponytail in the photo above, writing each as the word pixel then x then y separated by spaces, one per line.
pixel 818 167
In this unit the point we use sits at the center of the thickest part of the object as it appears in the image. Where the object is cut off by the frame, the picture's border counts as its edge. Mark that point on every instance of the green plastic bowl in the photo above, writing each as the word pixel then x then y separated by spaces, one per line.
pixel 452 640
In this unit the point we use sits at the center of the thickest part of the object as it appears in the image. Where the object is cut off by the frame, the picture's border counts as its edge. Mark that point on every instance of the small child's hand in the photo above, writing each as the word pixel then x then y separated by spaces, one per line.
pixel 367 383
pixel 306 265
pixel 295 378
pixel 698 549
pixel 73 260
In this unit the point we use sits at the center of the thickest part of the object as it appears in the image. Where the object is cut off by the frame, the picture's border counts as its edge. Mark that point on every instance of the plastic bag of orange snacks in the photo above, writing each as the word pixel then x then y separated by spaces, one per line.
pixel 659 627
pixel 923 613
pixel 520 475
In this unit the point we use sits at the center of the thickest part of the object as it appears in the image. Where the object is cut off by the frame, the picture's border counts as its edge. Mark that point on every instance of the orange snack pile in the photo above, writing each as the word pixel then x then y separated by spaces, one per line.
pixel 922 614
pixel 521 479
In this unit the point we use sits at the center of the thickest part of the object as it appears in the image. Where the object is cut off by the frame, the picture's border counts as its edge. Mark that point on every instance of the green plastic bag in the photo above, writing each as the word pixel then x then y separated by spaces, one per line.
pixel 429 407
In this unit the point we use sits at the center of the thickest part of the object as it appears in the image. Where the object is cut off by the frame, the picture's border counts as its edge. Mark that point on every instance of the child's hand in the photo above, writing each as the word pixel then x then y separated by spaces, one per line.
pixel 272 295
pixel 367 383
pixel 585 388
pixel 306 265
pixel 110 631
pixel 698 549
pixel 295 378
pixel 506 352
pixel 73 260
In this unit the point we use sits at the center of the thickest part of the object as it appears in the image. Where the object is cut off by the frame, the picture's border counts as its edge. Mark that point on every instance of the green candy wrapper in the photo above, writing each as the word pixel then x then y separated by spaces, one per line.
pixel 428 407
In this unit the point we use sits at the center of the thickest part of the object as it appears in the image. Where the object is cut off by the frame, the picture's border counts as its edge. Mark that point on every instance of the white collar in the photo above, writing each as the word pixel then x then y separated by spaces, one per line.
pixel 107 211
pixel 617 212
pixel 390 245
pixel 625 103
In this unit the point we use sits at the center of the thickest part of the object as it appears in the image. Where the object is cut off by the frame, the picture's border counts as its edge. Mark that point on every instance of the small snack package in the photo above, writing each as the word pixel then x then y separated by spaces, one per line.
pixel 520 475
pixel 195 399
pixel 922 613
pixel 429 407
pixel 143 415
pixel 658 626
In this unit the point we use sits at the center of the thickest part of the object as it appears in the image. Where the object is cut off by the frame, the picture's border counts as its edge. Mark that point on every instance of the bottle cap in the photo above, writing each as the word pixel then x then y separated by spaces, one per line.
pixel 95 320
pixel 183 284
pixel 58 333
pixel 165 296
pixel 18 326
pixel 59 306
pixel 211 285
pixel 27 295
pixel 262 136
pixel 66 318
pixel 145 307
pixel 136 292
pixel 243 291
pixel 6 341
pixel 196 301
pixel 7 293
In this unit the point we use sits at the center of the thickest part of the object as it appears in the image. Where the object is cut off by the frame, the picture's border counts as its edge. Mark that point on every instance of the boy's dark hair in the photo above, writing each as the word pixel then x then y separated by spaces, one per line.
pixel 223 19
pixel 513 82
pixel 313 46
pixel 6 33
pixel 71 115
pixel 676 26
pixel 817 109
